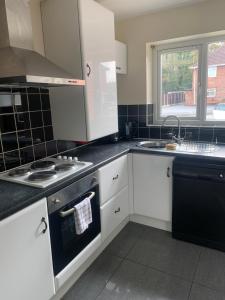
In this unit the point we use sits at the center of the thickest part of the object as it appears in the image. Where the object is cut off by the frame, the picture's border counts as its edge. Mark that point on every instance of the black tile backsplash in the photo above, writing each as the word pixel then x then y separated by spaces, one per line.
pixel 7 123
pixel 51 148
pixel 40 151
pixel 22 121
pixel 47 118
pixel 139 114
pixel 24 138
pixel 133 110
pixel 12 159
pixel 38 135
pixel 219 135
pixel 34 101
pixel 26 132
pixel 9 142
pixel 45 102
pixel 36 119
pixel 27 155
pixel 48 130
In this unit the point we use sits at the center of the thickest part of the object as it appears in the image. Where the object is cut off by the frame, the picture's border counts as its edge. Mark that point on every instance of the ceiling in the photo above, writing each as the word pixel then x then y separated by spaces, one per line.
pixel 125 9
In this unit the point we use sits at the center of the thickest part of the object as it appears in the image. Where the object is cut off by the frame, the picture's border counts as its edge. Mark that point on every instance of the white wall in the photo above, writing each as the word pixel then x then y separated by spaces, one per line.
pixel 185 21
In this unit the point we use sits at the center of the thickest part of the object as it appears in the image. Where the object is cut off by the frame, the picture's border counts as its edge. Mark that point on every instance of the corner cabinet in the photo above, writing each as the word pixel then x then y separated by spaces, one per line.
pixel 121 58
pixel 152 175
pixel 25 255
pixel 79 36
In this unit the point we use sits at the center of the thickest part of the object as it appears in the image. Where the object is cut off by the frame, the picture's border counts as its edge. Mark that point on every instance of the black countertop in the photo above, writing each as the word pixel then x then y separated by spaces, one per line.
pixel 14 197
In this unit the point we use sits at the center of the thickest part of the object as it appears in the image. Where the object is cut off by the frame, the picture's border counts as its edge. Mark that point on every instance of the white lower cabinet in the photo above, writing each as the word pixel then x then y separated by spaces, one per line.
pixel 152 176
pixel 25 255
pixel 113 177
pixel 114 212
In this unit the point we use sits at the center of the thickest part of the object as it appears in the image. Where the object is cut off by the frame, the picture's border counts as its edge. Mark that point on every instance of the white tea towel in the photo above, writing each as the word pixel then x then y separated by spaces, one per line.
pixel 82 215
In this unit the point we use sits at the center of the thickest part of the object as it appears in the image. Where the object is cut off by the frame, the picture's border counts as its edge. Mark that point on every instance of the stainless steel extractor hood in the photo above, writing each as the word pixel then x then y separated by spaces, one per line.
pixel 19 63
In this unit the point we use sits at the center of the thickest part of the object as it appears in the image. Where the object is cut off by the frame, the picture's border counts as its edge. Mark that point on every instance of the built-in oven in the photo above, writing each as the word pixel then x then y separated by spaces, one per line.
pixel 65 242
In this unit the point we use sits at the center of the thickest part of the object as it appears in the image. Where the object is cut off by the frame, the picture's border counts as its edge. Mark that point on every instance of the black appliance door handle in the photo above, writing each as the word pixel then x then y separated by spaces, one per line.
pixel 89 70
pixel 43 220
pixel 168 172
pixel 70 211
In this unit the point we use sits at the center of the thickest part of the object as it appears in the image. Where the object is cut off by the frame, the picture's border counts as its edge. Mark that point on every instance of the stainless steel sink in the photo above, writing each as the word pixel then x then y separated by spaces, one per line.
pixel 158 144
pixel 185 146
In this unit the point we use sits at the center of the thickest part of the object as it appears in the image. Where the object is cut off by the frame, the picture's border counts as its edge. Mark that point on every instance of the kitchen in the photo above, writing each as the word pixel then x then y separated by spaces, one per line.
pixel 112 149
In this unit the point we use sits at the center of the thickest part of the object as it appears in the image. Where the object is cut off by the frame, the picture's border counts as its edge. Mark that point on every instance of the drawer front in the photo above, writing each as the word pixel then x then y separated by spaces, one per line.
pixel 113 177
pixel 114 212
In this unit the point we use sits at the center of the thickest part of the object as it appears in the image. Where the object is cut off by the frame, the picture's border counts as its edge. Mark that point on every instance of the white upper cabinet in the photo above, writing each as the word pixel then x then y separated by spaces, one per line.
pixel 153 186
pixel 26 270
pixel 121 58
pixel 79 36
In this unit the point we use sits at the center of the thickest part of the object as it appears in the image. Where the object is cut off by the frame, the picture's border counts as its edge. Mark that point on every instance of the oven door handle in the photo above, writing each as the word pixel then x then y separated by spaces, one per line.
pixel 68 212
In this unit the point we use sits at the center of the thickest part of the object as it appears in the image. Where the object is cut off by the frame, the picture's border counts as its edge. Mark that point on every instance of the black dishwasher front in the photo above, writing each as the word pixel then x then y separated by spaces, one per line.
pixel 199 202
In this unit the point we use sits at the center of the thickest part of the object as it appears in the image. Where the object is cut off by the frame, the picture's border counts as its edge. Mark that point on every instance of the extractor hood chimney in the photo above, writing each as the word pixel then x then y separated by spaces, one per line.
pixel 19 63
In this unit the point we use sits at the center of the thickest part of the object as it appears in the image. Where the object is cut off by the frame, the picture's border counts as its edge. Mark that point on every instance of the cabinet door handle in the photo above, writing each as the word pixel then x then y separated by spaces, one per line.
pixel 118 68
pixel 168 172
pixel 45 224
pixel 89 70
pixel 116 177
pixel 117 210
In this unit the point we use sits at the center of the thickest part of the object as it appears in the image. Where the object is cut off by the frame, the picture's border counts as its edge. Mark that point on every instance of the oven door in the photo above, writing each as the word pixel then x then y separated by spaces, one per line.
pixel 66 244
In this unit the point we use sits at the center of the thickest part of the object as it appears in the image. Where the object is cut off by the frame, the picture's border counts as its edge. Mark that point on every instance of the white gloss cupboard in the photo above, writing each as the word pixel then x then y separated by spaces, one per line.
pixel 79 36
pixel 26 270
pixel 121 58
pixel 152 186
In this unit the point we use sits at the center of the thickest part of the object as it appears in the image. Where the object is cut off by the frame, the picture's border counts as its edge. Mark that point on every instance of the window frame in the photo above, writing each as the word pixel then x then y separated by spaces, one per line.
pixel 154 51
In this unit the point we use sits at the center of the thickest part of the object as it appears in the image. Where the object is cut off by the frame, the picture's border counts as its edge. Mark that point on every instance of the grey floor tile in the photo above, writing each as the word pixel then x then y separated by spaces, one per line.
pixel 211 269
pixel 199 292
pixel 158 250
pixel 132 281
pixel 94 279
pixel 125 240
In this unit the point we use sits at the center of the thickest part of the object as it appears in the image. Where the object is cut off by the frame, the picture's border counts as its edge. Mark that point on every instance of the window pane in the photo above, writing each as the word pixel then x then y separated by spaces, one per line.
pixel 216 82
pixel 179 83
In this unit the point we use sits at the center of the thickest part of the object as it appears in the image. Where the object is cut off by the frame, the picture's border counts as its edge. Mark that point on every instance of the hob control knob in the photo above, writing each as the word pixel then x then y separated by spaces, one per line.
pixel 221 175
pixel 75 158
pixel 59 157
pixel 64 157
pixel 70 158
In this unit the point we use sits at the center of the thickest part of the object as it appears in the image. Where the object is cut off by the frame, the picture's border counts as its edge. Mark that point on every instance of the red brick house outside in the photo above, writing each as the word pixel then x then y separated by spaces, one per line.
pixel 216 79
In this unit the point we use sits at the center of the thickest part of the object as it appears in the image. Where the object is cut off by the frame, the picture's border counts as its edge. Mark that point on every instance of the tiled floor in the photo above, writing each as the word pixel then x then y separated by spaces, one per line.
pixel 143 263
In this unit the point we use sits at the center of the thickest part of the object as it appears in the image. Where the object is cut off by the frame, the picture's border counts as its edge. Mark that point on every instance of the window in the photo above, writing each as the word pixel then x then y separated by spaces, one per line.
pixel 211 93
pixel 179 82
pixel 212 72
pixel 188 80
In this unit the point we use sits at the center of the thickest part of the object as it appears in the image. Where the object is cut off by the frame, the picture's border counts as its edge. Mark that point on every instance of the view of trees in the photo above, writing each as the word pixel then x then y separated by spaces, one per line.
pixel 177 70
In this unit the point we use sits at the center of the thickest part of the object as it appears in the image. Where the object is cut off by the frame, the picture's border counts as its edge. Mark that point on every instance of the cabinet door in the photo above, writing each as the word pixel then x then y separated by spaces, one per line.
pixel 98 52
pixel 153 186
pixel 114 212
pixel 121 58
pixel 25 255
